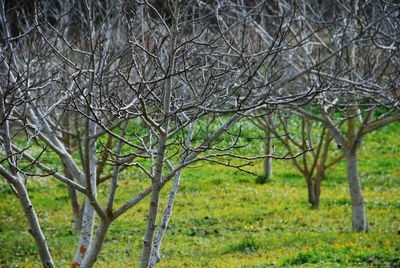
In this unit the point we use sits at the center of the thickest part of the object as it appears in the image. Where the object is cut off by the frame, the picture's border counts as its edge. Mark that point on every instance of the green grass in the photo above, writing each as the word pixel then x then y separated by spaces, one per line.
pixel 224 218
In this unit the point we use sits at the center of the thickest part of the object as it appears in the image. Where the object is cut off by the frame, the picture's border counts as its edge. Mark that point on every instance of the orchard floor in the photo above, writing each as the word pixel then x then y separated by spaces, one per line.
pixel 223 218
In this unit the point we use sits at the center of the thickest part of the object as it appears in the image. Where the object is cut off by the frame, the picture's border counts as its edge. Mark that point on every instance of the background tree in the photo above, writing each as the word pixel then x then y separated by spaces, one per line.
pixel 298 134
pixel 359 86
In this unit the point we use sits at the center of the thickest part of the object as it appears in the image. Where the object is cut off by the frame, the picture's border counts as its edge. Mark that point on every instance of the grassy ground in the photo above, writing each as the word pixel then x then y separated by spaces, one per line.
pixel 223 218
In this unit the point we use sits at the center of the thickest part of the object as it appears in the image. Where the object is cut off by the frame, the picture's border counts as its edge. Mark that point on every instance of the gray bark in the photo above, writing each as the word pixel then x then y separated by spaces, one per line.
pixel 86 231
pixel 155 254
pixel 154 199
pixel 357 201
pixel 35 229
pixel 151 225
pixel 88 215
pixel 97 244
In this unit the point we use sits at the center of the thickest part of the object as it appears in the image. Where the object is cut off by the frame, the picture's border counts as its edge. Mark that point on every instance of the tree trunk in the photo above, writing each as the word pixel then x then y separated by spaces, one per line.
pixel 86 231
pixel 151 225
pixel 357 200
pixel 154 204
pixel 76 211
pixel 154 258
pixel 88 215
pixel 317 192
pixel 96 245
pixel 73 197
pixel 313 194
pixel 35 229
pixel 314 191
pixel 268 152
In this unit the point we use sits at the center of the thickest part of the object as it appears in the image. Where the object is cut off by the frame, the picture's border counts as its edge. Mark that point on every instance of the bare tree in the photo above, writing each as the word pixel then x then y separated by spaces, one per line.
pixel 359 86
pixel 205 75
pixel 298 134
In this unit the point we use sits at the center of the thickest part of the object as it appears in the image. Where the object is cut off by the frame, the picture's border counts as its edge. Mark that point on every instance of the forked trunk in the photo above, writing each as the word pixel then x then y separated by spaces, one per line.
pixel 96 245
pixel 160 160
pixel 154 258
pixel 357 201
